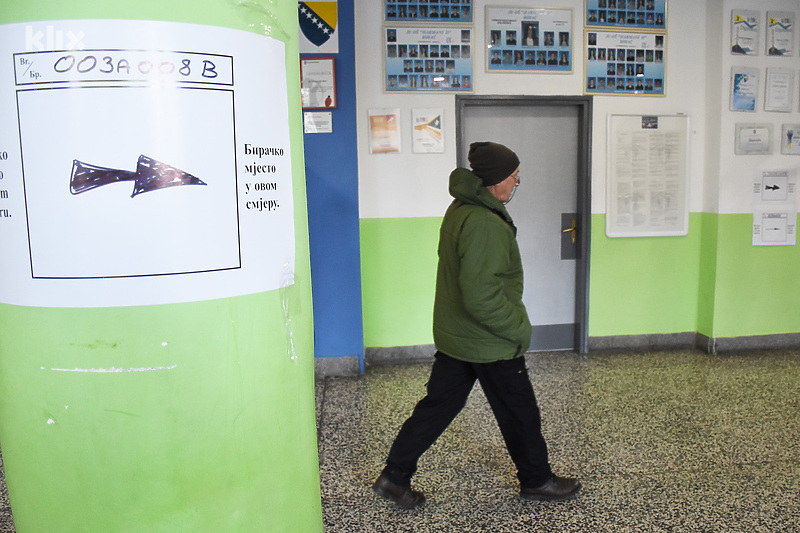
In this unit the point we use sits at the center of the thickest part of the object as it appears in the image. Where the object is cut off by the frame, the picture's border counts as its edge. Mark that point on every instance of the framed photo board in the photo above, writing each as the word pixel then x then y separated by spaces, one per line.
pixel 428 11
pixel 625 63
pixel 318 82
pixel 528 39
pixel 427 58
pixel 634 14
pixel 647 193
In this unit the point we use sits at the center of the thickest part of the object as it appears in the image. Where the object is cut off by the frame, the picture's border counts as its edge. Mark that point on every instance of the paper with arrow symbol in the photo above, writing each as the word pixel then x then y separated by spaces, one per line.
pixel 773 186
pixel 775 208
pixel 771 228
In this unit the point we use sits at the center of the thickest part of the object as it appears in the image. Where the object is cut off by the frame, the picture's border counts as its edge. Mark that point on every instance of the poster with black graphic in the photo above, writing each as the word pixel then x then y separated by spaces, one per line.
pixel 145 175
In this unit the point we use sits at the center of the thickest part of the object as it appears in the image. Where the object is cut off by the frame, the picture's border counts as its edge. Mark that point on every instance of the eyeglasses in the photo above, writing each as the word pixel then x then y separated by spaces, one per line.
pixel 514 190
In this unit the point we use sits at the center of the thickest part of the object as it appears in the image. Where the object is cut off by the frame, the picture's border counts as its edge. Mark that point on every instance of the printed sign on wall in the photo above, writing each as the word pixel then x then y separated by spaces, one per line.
pixel 136 176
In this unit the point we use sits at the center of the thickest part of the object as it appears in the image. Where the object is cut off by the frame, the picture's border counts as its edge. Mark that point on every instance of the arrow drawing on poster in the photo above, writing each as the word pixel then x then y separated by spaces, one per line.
pixel 150 175
pixel 772 187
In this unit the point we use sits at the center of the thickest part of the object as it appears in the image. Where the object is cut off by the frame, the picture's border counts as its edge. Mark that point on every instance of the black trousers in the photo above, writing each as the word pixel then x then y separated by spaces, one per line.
pixel 510 394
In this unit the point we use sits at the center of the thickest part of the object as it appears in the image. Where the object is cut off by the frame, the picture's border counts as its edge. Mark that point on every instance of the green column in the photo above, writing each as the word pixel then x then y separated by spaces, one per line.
pixel 170 390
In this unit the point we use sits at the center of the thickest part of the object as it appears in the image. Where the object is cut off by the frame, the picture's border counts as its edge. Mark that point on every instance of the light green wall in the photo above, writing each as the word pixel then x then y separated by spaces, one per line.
pixel 711 281
pixel 758 287
pixel 224 440
pixel 398 272
pixel 643 285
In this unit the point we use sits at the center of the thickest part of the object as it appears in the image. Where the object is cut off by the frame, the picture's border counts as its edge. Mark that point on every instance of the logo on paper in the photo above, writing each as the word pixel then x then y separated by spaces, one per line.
pixel 432 127
pixel 52 39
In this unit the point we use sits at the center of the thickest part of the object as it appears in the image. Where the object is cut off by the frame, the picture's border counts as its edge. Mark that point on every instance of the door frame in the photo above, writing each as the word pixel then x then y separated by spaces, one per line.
pixel 583 203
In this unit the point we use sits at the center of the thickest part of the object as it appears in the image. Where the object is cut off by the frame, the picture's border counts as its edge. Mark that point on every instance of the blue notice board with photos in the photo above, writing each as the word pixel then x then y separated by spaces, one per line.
pixel 625 63
pixel 428 10
pixel 529 39
pixel 631 14
pixel 429 58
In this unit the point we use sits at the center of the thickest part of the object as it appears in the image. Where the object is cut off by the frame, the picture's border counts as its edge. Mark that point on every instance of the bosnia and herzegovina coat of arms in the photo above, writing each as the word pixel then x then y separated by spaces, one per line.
pixel 318 23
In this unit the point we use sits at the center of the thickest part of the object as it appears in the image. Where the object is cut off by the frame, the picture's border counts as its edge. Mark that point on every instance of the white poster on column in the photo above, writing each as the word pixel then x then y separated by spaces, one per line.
pixel 148 164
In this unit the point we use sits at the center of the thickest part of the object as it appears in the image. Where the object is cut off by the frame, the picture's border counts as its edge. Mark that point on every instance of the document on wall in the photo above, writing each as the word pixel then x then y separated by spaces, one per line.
pixel 384 131
pixel 646 178
pixel 780 33
pixel 744 32
pixel 744 88
pixel 774 227
pixel 427 134
pixel 775 208
pixel 779 90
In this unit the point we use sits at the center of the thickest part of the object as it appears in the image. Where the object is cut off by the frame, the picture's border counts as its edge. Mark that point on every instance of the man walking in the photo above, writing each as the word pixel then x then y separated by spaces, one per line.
pixel 481 330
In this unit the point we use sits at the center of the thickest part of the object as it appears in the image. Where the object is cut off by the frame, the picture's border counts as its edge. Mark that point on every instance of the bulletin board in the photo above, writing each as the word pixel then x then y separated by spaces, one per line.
pixel 647 177
pixel 427 58
pixel 625 63
pixel 529 39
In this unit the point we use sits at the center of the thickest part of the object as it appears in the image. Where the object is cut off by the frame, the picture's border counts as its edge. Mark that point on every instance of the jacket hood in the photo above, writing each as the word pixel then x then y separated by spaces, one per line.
pixel 465 186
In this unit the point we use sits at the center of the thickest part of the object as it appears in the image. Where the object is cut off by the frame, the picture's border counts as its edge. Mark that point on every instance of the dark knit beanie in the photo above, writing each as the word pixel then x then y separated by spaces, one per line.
pixel 492 162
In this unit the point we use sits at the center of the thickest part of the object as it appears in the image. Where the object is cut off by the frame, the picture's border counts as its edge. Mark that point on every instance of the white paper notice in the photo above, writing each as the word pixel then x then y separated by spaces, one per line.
pixel 780 90
pixel 774 227
pixel 647 176
pixel 138 169
pixel 427 134
pixel 318 122
pixel 775 208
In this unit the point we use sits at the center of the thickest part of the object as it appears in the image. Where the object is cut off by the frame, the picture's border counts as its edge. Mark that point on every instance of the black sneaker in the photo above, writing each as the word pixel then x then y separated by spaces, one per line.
pixel 402 496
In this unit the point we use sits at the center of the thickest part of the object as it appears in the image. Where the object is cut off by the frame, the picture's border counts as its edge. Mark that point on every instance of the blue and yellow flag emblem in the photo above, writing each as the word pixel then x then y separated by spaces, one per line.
pixel 317 20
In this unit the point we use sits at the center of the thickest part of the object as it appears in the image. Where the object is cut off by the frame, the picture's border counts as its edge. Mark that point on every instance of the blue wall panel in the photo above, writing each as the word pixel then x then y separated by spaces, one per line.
pixel 333 224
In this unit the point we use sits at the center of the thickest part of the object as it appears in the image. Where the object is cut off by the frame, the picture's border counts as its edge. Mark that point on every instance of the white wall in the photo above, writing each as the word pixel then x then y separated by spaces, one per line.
pixel 737 172
pixel 415 185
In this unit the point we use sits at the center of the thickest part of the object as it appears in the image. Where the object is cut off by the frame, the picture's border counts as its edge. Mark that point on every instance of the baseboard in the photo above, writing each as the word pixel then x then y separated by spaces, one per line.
pixel 336 366
pixel 784 341
pixel 421 353
pixel 711 345
pixel 661 341
pixel 348 366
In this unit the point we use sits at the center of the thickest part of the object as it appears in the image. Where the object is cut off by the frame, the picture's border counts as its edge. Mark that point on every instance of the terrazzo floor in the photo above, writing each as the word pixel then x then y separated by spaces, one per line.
pixel 663 441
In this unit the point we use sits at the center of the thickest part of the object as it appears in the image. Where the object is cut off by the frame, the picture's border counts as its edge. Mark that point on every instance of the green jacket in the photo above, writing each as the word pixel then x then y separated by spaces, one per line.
pixel 478 314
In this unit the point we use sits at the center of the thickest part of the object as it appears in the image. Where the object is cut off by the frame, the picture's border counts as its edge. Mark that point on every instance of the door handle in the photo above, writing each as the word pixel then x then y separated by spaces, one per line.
pixel 572 231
